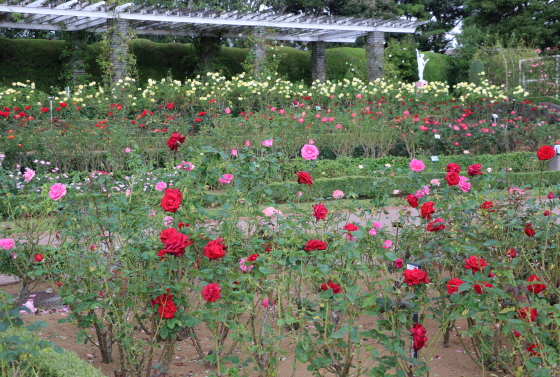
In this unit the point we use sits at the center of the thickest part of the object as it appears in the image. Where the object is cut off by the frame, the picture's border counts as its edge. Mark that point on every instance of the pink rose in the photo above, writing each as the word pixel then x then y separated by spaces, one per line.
pixel 464 184
pixel 7 243
pixel 228 110
pixel 398 263
pixel 417 165
pixel 243 267
pixel 57 191
pixel 358 96
pixel 168 221
pixel 161 186
pixel 247 143
pixel 373 231
pixel 268 143
pixel 226 178
pixel 28 175
pixel 377 224
pixel 387 244
pixel 309 152
pixel 269 211
pixel 337 194
pixel 127 150
pixel 234 152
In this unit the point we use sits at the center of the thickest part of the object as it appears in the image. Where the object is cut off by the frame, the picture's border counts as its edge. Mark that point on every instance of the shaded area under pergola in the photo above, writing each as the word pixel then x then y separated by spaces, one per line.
pixel 74 16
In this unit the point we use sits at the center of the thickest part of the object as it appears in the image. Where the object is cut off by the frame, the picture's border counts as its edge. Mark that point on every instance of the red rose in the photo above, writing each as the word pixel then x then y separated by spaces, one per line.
pixel 170 106
pixel 474 170
pixel 320 211
pixel 38 258
pixel 546 152
pixel 171 200
pixel 175 140
pixel 166 233
pixel 330 285
pixel 167 311
pixel 315 245
pixel 480 288
pixel 211 292
pixel 453 285
pixel 412 200
pixel 487 205
pixel 44 109
pixel 527 313
pixel 475 263
pixel 511 253
pixel 415 276
pixel 532 349
pixel 529 231
pixel 452 178
pixel 535 288
pixel 268 246
pixel 431 227
pixel 182 225
pixel 162 254
pixel 63 104
pixel 176 243
pixel 453 167
pixel 252 257
pixel 303 178
pixel 351 227
pixel 215 249
pixel 427 209
pixel 546 213
pixel 419 336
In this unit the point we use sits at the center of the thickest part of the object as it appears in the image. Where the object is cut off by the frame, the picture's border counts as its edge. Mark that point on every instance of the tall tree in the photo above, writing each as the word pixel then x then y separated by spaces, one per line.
pixel 535 20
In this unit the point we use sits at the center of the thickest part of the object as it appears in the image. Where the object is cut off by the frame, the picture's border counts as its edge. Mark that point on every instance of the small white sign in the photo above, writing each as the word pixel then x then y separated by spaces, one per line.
pixel 437 136
pixel 318 108
pixel 412 266
pixel 557 149
pixel 435 158
pixel 495 116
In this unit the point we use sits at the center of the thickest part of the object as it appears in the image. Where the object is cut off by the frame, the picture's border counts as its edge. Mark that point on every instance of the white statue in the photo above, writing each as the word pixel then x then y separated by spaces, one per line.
pixel 421 65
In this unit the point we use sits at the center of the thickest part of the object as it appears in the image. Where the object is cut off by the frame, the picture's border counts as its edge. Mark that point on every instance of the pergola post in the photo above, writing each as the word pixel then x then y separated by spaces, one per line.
pixel 375 54
pixel 118 42
pixel 208 46
pixel 318 61
pixel 76 59
pixel 258 49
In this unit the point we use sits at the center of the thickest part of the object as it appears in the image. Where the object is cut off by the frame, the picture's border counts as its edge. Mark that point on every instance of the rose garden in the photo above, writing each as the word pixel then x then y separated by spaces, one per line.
pixel 255 226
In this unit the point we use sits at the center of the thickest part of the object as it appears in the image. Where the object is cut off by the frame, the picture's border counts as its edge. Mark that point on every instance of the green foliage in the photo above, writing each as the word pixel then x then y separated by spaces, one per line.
pixel 477 68
pixel 400 60
pixel 439 68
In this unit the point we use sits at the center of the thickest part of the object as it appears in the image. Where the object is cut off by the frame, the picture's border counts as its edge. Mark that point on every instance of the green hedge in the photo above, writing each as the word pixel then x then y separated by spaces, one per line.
pixel 53 364
pixel 40 61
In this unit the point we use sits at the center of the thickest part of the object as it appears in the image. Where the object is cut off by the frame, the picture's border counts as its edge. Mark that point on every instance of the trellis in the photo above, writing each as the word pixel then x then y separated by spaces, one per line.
pixel 75 15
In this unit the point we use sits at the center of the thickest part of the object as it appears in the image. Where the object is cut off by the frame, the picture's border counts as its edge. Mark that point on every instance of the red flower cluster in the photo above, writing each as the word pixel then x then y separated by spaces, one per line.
pixel 166 307
pixel 175 140
pixel 320 211
pixel 415 276
pixel 211 292
pixel 304 178
pixel 315 245
pixel 171 200
pixel 215 249
pixel 487 205
pixel 478 288
pixel 528 313
pixel 475 264
pixel 268 246
pixel 535 288
pixel 427 210
pixel 330 285
pixel 431 227
pixel 546 152
pixel 419 336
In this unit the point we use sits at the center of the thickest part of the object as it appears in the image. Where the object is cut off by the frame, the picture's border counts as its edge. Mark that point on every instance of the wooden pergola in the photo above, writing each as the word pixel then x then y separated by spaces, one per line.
pixel 99 16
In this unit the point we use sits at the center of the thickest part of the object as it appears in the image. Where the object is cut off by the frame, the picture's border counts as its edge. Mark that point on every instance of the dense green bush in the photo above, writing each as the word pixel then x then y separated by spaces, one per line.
pixel 40 61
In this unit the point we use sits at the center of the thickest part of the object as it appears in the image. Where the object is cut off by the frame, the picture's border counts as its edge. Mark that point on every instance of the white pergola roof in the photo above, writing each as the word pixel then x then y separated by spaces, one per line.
pixel 74 15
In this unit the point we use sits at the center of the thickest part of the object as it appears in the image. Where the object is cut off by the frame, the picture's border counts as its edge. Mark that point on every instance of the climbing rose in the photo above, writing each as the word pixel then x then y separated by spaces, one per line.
pixel 546 152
